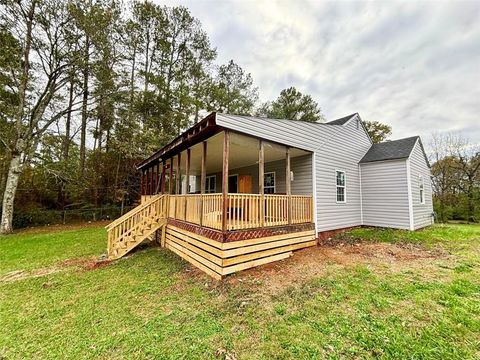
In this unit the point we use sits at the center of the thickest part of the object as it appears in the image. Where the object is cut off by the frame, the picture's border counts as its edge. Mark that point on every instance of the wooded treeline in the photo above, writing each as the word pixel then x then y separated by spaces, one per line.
pixel 88 88
pixel 455 177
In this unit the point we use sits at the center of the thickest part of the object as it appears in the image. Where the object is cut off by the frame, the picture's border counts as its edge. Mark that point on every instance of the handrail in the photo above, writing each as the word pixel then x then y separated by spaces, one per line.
pixel 133 212
pixel 137 225
pixel 244 211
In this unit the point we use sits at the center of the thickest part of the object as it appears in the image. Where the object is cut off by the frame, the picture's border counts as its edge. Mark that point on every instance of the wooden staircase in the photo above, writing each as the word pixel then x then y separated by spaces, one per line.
pixel 139 224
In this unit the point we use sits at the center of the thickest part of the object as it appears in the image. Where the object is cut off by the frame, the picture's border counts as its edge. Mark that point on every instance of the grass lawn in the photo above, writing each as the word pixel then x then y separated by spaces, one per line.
pixel 369 293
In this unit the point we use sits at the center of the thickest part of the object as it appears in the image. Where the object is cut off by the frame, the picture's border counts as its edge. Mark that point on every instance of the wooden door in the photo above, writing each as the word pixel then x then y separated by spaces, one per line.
pixel 245 184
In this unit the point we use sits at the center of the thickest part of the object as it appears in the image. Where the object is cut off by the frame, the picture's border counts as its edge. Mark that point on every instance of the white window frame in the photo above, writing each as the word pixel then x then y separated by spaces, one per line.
pixel 207 188
pixel 274 182
pixel 421 189
pixel 340 186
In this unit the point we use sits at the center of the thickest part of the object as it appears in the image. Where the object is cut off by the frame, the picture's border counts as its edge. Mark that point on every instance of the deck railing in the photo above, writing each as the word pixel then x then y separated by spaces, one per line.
pixel 244 211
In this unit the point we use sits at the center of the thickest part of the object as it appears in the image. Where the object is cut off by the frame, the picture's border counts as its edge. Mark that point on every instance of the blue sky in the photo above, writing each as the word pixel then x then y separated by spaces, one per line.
pixel 413 65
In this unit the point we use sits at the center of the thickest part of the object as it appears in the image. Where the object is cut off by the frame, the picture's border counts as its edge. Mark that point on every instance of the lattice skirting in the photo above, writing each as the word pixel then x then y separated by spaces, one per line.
pixel 222 258
pixel 236 235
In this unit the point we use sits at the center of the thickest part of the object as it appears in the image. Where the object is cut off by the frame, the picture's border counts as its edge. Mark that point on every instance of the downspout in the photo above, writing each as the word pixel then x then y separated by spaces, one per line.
pixel 314 190
pixel 361 193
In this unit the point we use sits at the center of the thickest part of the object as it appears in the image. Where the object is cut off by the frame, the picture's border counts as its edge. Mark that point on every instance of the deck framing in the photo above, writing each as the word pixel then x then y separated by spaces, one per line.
pixel 218 259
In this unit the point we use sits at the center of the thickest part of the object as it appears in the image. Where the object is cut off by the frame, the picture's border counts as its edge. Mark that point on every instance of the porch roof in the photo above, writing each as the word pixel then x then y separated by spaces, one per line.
pixel 299 134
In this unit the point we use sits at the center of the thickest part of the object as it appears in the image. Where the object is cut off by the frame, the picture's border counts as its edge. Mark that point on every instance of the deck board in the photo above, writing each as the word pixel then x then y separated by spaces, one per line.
pixel 228 258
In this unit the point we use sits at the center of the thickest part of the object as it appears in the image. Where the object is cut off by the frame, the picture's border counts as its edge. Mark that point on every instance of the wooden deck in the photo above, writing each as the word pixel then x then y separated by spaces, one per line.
pixel 257 229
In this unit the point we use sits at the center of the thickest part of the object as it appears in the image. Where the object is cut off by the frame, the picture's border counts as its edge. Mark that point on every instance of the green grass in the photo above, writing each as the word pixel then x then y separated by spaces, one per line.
pixel 34 249
pixel 151 305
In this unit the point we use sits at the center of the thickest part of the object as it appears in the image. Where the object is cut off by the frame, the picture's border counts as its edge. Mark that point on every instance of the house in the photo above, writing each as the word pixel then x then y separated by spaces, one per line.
pixel 233 192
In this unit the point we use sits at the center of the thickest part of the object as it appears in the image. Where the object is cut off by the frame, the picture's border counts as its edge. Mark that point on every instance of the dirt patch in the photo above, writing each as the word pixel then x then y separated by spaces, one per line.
pixel 86 264
pixel 22 274
pixel 313 262
pixel 77 261
pixel 92 265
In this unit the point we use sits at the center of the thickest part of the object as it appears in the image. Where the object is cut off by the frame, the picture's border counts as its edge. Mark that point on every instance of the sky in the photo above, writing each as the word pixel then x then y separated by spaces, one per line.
pixel 413 65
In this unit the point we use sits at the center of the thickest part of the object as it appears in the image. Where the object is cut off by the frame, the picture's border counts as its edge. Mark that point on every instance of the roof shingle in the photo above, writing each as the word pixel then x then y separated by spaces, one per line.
pixel 341 121
pixel 390 150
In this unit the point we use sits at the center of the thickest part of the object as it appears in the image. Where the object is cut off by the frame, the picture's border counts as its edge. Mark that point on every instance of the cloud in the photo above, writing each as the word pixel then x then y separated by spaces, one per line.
pixel 413 65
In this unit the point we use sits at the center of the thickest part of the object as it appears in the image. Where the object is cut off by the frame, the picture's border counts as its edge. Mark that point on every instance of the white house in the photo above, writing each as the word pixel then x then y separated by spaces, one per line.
pixel 240 191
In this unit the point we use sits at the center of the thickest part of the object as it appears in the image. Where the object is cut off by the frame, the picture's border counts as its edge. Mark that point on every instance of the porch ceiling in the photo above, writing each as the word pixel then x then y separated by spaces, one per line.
pixel 243 152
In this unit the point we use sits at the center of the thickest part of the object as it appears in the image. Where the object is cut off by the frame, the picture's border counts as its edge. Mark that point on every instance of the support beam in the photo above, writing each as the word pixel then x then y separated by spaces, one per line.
pixel 142 175
pixel 187 182
pixel 203 175
pixel 178 174
pixel 203 179
pixel 187 171
pixel 150 179
pixel 163 178
pixel 170 178
pixel 226 151
pixel 288 185
pixel 157 178
pixel 261 180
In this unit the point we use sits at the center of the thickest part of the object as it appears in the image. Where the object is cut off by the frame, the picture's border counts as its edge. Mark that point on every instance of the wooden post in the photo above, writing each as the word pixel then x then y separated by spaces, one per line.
pixel 149 180
pixel 187 182
pixel 261 184
pixel 170 180
pixel 146 182
pixel 178 175
pixel 187 172
pixel 203 179
pixel 163 178
pixel 157 178
pixel 226 151
pixel 288 186
pixel 141 181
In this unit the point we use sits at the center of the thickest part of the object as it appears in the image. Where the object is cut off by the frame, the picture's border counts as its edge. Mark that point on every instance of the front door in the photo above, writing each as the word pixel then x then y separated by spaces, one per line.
pixel 233 184
pixel 245 184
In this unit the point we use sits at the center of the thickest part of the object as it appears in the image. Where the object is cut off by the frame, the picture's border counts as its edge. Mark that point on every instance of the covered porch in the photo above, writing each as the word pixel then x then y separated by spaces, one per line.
pixel 223 199
pixel 229 181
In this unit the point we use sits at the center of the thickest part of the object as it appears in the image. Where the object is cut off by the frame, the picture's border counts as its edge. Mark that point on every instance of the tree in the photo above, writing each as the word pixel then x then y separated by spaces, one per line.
pixel 38 27
pixel 377 131
pixel 456 175
pixel 292 105
pixel 87 88
pixel 233 91
pixel 468 165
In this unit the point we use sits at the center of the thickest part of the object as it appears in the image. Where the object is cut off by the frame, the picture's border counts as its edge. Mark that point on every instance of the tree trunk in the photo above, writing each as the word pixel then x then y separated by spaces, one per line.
pixel 66 144
pixel 83 136
pixel 14 171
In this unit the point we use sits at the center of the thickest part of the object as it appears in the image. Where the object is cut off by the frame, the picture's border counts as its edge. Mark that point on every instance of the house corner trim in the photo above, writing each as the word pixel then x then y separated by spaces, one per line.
pixel 410 199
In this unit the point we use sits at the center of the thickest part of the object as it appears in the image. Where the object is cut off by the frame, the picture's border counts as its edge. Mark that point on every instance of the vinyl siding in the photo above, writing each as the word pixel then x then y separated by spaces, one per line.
pixel 301 167
pixel 385 194
pixel 422 213
pixel 342 152
pixel 302 173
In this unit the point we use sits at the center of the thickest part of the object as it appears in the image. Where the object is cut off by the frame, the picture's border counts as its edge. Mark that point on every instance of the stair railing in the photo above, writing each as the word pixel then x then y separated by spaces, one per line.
pixel 131 226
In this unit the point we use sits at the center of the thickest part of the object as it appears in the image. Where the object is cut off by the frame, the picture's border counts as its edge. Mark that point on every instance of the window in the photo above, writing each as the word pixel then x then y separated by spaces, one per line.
pixel 269 183
pixel 210 184
pixel 340 180
pixel 421 188
pixel 233 184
